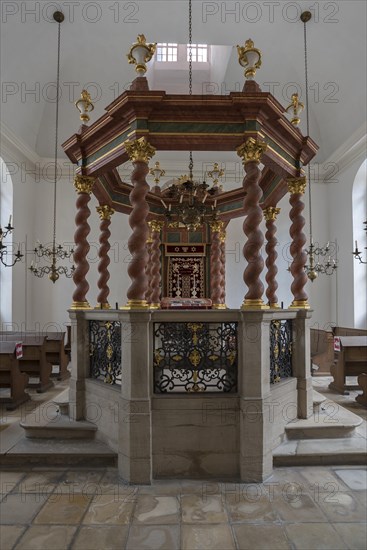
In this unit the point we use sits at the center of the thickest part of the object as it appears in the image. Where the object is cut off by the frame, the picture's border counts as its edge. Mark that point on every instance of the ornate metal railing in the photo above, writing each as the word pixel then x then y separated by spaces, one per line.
pixel 105 351
pixel 280 350
pixel 195 357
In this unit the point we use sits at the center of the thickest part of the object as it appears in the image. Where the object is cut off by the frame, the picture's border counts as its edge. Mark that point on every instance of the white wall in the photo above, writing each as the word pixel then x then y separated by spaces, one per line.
pixel 340 203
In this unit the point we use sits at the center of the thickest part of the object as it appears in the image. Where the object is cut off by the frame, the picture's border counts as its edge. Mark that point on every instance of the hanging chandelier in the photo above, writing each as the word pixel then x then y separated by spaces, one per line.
pixel 357 253
pixel 188 204
pixel 4 253
pixel 54 253
pixel 314 266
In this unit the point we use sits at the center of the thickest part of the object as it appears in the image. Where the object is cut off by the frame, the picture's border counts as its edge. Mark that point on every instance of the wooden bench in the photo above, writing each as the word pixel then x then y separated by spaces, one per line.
pixel 55 349
pixel 34 361
pixel 11 377
pixel 351 360
pixel 362 383
pixel 322 351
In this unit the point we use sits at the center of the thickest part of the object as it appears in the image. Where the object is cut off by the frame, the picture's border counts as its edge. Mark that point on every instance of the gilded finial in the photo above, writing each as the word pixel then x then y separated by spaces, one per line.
pixel 249 58
pixel 84 106
pixel 296 107
pixel 141 53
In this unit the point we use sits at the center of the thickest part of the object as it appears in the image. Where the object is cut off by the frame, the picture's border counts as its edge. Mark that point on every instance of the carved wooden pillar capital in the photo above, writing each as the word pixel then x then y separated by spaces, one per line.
pixel 105 212
pixel 252 150
pixel 83 186
pixel 296 188
pixel 140 152
pixel 270 215
pixel 250 153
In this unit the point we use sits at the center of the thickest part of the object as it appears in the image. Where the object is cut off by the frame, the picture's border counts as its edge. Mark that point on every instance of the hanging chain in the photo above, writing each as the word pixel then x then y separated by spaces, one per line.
pixel 56 134
pixel 308 130
pixel 191 164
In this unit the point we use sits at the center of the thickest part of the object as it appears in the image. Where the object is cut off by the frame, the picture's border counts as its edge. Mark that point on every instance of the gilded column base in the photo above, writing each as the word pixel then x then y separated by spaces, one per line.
pixel 299 304
pixel 219 306
pixel 155 306
pixel 80 305
pixel 136 304
pixel 254 304
pixel 105 305
pixel 274 305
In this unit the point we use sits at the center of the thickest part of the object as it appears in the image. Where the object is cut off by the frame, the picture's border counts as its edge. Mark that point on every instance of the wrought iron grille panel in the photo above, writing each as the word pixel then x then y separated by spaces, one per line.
pixel 280 350
pixel 105 351
pixel 195 357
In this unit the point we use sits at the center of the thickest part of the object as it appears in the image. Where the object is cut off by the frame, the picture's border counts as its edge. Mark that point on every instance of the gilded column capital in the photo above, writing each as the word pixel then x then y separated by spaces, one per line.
pixel 271 213
pixel 84 184
pixel 297 186
pixel 216 226
pixel 105 211
pixel 155 226
pixel 139 150
pixel 252 150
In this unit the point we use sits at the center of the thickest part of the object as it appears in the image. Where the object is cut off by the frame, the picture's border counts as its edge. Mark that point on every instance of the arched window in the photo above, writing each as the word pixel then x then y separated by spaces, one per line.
pixel 359 198
pixel 6 209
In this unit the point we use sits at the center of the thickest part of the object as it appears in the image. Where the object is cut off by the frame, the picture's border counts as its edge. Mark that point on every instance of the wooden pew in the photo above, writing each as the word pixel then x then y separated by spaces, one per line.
pixel 11 377
pixel 322 351
pixel 55 349
pixel 351 360
pixel 34 361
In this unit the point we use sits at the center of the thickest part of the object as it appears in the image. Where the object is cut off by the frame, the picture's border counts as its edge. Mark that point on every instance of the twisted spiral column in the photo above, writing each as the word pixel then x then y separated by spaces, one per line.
pixel 105 212
pixel 270 215
pixel 148 269
pixel 156 227
pixel 139 152
pixel 215 264
pixel 251 152
pixel 83 186
pixel 222 239
pixel 296 188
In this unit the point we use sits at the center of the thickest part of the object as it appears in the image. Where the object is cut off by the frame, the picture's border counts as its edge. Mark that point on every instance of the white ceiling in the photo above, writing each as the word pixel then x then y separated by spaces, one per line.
pixel 95 52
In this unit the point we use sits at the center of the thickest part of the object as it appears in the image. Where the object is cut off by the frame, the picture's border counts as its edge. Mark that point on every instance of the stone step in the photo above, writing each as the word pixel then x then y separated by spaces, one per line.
pixel 318 399
pixel 61 427
pixel 319 452
pixel 330 420
pixel 60 452
pixel 62 403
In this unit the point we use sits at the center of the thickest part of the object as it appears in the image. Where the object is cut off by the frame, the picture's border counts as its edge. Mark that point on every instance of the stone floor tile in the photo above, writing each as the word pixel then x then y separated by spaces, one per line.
pixel 301 506
pixel 192 487
pixel 152 537
pixel 196 509
pixel 260 537
pixel 320 536
pixel 201 537
pixel 109 509
pixel 76 482
pixel 111 483
pixel 42 536
pixel 9 480
pixel 9 534
pixel 161 488
pixel 321 480
pixel 20 508
pixel 354 535
pixel 343 507
pixel 248 509
pixel 38 482
pixel 63 509
pixel 354 479
pixel 156 510
pixel 111 537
